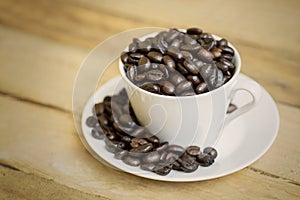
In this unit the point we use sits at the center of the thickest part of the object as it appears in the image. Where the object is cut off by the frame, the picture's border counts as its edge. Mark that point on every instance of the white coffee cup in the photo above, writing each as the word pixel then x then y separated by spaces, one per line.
pixel 190 120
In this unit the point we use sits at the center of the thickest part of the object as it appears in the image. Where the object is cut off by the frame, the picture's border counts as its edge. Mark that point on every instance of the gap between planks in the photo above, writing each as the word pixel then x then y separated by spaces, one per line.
pixel 56 108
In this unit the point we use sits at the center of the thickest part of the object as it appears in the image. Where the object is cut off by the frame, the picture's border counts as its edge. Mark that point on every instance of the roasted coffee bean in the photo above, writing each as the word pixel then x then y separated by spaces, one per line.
pixel 227 62
pixel 103 120
pixel 190 67
pixel 227 50
pixel 231 108
pixel 163 156
pixel 171 35
pixel 99 108
pixel 172 157
pixel 168 60
pixel 152 157
pixel 97 133
pixel 209 44
pixel 194 79
pixel 144 64
pixel 153 139
pixel 175 53
pixel 211 151
pixel 145 46
pixel 136 56
pixel 155 56
pixel 194 31
pixel 176 166
pixel 201 88
pixel 132 72
pixel 140 77
pixel 120 155
pixel 177 78
pixel 112 136
pixel 126 139
pixel 151 87
pixel 189 167
pixel 111 147
pixel 183 86
pixel 206 36
pixel 135 142
pixel 162 169
pixel 122 145
pixel 188 158
pixel 222 43
pixel 176 43
pixel 155 75
pixel 193 150
pixel 189 40
pixel 133 46
pixel 216 52
pixel 126 120
pixel 205 55
pixel 148 166
pixel 162 147
pixel 91 121
pixel 176 149
pixel 145 148
pixel 198 63
pixel 227 56
pixel 222 66
pixel 182 69
pixel 124 58
pixel 187 55
pixel 205 160
pixel 167 87
pixel 190 47
pixel 132 161
pixel 164 69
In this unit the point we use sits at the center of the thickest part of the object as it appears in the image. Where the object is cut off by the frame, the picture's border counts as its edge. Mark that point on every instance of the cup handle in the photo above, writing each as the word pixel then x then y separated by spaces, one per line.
pixel 250 86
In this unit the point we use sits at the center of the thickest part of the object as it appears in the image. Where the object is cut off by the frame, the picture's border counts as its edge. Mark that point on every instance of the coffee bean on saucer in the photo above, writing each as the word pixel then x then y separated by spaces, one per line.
pixel 97 133
pixel 148 166
pixel 193 150
pixel 176 149
pixel 132 161
pixel 99 108
pixel 151 157
pixel 121 154
pixel 205 160
pixel 211 151
pixel 91 121
pixel 162 169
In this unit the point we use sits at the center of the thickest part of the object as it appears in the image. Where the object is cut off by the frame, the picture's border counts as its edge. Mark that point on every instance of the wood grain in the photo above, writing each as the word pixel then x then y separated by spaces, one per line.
pixel 51 148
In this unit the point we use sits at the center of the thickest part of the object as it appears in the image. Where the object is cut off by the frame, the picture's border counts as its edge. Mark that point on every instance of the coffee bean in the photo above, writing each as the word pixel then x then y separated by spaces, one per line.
pixel 154 75
pixel 136 142
pixel 133 47
pixel 169 62
pixel 126 120
pixel 216 52
pixel 97 133
pixel 189 167
pixel 176 149
pixel 155 56
pixel 194 31
pixel 189 40
pixel 172 157
pixel 153 139
pixel 162 169
pixel 145 148
pixel 124 58
pixel 209 44
pixel 140 77
pixel 205 160
pixel 151 87
pixel 91 121
pixel 110 146
pixel 177 78
pixel 227 62
pixel 187 55
pixel 151 157
pixel 164 69
pixel 205 55
pixel 145 46
pixel 176 43
pixel 206 36
pixel 120 155
pixel 183 86
pixel 222 66
pixel 222 43
pixel 103 121
pixel 132 72
pixel 176 166
pixel 167 87
pixel 99 108
pixel 171 35
pixel 162 147
pixel 112 136
pixel 211 151
pixel 190 48
pixel 148 166
pixel 144 64
pixel 194 79
pixel 182 69
pixel 227 56
pixel 193 150
pixel 231 108
pixel 175 53
pixel 126 139
pixel 132 161
pixel 190 67
pixel 201 88
pixel 227 50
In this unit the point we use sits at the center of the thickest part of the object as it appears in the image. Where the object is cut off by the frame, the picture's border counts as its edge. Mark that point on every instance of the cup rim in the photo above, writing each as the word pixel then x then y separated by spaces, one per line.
pixel 237 58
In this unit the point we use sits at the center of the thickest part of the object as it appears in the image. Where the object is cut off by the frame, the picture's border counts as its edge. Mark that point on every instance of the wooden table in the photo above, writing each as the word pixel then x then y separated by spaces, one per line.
pixel 42 44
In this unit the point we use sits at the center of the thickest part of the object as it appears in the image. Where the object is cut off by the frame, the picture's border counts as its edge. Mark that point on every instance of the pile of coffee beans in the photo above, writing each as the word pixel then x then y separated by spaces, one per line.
pixel 179 63
pixel 114 121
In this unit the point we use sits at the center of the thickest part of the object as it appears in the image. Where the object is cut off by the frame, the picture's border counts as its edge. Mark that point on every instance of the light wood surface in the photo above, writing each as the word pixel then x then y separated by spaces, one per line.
pixel 42 44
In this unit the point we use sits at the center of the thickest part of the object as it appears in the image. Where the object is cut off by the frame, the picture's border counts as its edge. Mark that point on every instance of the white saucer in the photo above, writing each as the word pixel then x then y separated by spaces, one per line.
pixel 243 141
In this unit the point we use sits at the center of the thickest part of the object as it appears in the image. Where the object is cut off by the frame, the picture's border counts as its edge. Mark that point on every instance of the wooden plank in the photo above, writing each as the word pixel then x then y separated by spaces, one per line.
pixel 45 143
pixel 17 185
